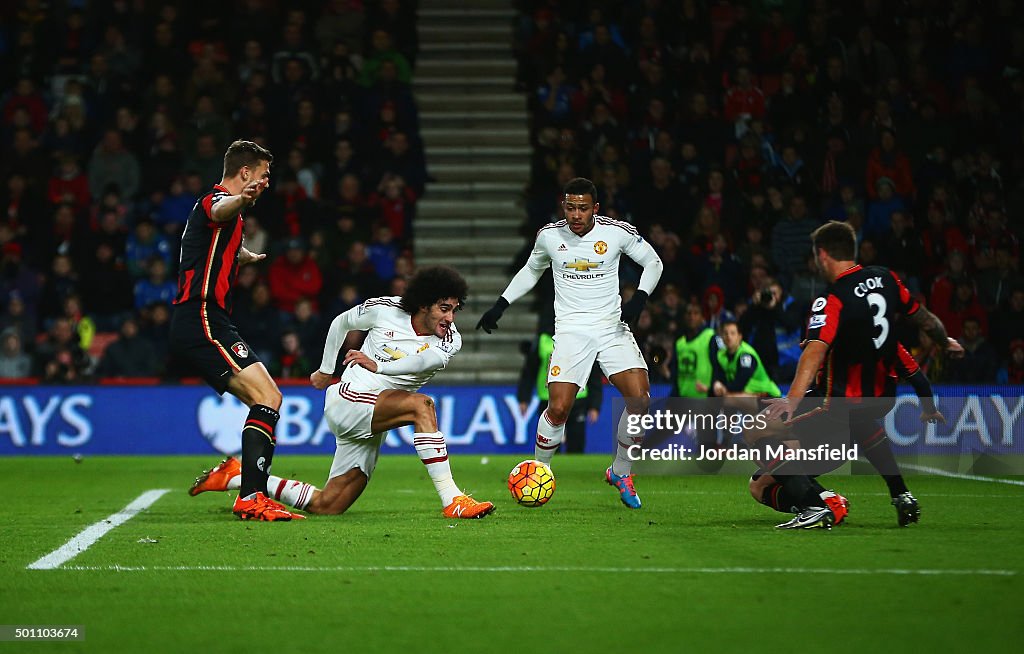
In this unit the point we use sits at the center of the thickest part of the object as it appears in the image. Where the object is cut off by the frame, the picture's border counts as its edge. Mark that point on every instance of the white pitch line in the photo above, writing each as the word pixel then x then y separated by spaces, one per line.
pixel 932 572
pixel 957 475
pixel 88 536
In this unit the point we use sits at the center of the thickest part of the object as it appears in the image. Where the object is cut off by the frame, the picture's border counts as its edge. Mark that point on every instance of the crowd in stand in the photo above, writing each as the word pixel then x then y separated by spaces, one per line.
pixel 114 117
pixel 726 131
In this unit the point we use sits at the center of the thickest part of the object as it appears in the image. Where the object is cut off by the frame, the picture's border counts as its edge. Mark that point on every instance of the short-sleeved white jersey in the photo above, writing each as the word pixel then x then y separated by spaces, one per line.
pixel 586 269
pixel 391 336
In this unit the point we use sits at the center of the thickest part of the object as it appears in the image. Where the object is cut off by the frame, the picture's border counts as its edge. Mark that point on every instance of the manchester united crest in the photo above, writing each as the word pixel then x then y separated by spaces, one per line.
pixel 555 371
pixel 240 350
pixel 600 247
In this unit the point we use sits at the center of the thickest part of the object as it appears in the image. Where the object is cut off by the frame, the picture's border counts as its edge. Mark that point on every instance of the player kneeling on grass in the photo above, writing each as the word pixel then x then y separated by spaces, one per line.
pixel 409 339
pixel 849 351
pixel 877 448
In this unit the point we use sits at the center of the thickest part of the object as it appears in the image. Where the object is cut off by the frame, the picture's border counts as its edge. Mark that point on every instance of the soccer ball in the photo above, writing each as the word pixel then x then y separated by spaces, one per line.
pixel 531 483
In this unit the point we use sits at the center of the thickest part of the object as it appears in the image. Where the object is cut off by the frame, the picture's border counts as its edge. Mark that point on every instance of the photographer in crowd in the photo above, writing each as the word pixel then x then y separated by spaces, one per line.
pixel 771 324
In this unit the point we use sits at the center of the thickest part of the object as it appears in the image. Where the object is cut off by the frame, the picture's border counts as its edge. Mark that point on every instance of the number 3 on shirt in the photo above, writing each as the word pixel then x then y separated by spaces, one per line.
pixel 877 301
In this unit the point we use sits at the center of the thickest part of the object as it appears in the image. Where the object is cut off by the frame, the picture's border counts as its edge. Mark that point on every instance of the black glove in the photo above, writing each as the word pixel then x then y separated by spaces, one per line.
pixel 631 310
pixel 490 319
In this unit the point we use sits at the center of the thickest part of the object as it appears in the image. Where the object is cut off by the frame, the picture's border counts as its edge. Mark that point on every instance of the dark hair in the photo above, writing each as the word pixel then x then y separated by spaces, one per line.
pixel 244 153
pixel 729 321
pixel 580 186
pixel 431 284
pixel 837 239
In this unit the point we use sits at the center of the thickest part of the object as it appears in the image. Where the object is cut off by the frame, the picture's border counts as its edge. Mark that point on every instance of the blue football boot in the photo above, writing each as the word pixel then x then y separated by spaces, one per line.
pixel 624 484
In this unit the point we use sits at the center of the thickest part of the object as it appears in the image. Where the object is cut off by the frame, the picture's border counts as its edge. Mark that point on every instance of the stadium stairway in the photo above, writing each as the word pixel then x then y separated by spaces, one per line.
pixel 474 128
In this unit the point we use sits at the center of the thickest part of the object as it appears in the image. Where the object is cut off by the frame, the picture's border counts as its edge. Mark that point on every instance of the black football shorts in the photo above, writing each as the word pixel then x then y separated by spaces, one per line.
pixel 845 422
pixel 205 340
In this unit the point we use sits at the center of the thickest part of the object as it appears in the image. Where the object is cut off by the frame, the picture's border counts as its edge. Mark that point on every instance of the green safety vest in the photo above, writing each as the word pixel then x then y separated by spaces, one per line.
pixel 759 382
pixel 693 363
pixel 545 346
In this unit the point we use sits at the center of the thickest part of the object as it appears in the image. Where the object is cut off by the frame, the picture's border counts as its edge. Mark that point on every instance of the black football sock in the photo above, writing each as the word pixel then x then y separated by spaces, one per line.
pixel 799 490
pixel 818 488
pixel 878 450
pixel 258 443
pixel 777 498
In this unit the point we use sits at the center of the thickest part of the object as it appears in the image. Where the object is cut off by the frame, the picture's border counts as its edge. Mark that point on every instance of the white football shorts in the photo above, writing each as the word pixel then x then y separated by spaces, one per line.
pixel 348 412
pixel 574 353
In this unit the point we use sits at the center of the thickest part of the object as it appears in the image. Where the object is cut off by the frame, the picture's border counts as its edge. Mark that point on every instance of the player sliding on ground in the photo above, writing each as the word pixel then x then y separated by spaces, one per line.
pixel 583 253
pixel 870 436
pixel 409 339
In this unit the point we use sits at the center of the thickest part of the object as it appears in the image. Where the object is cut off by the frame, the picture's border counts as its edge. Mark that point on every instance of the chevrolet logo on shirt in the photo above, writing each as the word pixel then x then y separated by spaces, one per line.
pixel 582 265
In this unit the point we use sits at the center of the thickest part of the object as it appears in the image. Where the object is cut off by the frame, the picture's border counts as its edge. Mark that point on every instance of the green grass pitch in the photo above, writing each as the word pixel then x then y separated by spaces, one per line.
pixel 698 569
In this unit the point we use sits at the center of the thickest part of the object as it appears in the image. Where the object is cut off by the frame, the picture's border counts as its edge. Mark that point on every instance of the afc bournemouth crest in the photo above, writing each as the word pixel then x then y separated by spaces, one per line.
pixel 555 371
pixel 240 350
pixel 600 247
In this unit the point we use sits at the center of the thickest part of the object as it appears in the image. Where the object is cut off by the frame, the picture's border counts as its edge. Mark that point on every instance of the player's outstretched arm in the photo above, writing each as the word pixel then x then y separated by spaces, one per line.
pixel 360 318
pixel 806 369
pixel 429 359
pixel 520 285
pixel 228 207
pixel 907 368
pixel 930 323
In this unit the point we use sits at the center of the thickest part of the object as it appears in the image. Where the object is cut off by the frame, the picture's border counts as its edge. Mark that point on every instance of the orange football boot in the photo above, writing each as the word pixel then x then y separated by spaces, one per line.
pixel 261 507
pixel 464 506
pixel 216 479
pixel 840 505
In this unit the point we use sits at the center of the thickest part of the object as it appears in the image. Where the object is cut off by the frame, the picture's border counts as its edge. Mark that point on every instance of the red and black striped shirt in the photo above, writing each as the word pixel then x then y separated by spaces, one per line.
pixel 209 254
pixel 856 319
pixel 906 365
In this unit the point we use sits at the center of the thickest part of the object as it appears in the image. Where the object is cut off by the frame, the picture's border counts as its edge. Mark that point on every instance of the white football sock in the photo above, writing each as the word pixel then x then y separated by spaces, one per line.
pixel 235 482
pixel 549 437
pixel 622 465
pixel 433 453
pixel 290 491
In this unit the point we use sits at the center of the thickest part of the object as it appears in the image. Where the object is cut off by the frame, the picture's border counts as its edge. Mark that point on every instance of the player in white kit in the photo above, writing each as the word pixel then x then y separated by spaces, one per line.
pixel 583 253
pixel 408 340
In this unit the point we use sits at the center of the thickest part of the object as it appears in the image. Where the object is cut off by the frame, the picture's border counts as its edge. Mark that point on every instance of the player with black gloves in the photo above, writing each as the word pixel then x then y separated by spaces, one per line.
pixel 591 322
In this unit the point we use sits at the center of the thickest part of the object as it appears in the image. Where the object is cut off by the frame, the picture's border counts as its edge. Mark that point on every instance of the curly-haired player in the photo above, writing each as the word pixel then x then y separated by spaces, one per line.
pixel 409 339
